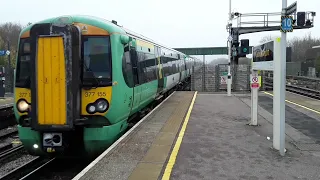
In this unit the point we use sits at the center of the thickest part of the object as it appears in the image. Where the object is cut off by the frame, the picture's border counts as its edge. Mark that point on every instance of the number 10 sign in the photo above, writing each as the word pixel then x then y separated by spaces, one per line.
pixel 286 24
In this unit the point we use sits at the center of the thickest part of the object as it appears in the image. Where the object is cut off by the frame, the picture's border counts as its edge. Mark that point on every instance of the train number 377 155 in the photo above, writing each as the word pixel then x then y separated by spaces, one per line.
pixel 92 94
pixel 24 95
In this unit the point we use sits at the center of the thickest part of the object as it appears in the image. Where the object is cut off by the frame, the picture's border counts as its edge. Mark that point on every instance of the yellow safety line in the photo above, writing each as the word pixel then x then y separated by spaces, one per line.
pixel 175 150
pixel 315 111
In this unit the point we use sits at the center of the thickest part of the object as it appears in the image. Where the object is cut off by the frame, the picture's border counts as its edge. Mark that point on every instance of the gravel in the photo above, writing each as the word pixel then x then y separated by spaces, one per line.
pixel 13 139
pixel 8 130
pixel 18 161
pixel 60 169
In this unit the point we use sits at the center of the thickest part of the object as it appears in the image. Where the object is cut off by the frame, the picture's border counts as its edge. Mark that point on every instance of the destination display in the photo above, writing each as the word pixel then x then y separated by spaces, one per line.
pixel 263 56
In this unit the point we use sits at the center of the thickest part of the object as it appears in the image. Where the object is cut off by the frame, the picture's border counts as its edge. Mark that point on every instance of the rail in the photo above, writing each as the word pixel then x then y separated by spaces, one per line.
pixel 26 169
pixel 10 151
pixel 298 90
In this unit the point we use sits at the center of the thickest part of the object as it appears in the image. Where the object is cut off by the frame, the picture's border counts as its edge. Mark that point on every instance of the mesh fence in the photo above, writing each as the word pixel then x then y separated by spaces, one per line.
pixel 213 78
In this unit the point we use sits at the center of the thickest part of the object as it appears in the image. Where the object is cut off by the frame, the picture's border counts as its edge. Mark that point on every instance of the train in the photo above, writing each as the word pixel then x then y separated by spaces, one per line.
pixel 80 80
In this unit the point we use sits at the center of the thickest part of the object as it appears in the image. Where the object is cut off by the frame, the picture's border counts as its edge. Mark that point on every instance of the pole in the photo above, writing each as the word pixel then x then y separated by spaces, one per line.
pixel 279 81
pixel 10 80
pixel 9 59
pixel 254 100
pixel 229 53
pixel 282 84
pixel 204 74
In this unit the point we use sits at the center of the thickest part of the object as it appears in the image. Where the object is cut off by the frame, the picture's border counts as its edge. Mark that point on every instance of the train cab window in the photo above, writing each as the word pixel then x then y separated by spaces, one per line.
pixel 96 56
pixel 23 64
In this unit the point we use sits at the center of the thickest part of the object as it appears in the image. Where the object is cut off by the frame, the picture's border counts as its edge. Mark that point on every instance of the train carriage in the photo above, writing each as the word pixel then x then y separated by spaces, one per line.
pixel 79 80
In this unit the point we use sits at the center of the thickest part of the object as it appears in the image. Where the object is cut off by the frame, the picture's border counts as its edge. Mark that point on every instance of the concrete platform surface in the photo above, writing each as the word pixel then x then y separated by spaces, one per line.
pixel 219 145
pixel 6 102
pixel 305 121
pixel 302 100
pixel 143 152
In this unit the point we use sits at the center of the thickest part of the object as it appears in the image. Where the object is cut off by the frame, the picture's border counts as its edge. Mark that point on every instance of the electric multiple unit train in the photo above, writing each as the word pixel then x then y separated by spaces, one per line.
pixel 80 79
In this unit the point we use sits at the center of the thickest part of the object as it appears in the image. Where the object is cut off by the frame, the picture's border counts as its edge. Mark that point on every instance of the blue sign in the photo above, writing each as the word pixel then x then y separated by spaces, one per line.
pixel 4 52
pixel 286 24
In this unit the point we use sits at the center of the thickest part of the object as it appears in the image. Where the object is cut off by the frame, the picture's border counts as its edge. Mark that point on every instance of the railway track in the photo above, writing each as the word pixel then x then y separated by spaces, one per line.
pixel 6 118
pixel 5 135
pixel 298 90
pixel 11 151
pixel 26 169
pixel 56 168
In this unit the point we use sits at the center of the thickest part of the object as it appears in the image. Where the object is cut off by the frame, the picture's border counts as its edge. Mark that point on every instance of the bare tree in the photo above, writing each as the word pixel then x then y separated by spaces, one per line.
pixel 301 45
pixel 9 34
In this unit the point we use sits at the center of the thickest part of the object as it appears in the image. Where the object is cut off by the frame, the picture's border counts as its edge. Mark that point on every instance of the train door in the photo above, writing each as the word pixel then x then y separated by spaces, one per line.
pixel 136 87
pixel 56 80
pixel 159 72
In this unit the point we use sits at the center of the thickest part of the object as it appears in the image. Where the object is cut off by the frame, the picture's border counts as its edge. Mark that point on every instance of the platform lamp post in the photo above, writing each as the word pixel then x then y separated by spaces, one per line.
pixel 229 51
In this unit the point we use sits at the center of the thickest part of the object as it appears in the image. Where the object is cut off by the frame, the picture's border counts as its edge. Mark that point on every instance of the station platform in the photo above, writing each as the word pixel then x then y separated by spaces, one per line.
pixel 6 102
pixel 207 137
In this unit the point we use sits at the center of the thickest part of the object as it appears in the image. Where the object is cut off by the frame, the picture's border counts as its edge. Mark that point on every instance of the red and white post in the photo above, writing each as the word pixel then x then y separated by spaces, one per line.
pixel 254 81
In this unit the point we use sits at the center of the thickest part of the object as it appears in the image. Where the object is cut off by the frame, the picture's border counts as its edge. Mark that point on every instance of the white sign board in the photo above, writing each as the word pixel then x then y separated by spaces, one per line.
pixel 223 80
pixel 254 80
pixel 263 55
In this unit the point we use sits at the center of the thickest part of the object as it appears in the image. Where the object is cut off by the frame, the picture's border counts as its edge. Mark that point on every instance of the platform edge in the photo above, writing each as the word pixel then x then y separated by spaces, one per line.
pixel 94 162
pixel 174 152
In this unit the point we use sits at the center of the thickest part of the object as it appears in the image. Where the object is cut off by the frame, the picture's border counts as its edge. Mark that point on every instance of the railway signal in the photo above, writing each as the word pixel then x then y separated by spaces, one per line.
pixel 301 18
pixel 244 48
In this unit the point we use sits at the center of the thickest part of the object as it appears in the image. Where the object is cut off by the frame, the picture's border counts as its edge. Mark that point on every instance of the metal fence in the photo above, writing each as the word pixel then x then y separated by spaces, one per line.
pixel 309 68
pixel 213 78
pixel 6 81
pixel 9 78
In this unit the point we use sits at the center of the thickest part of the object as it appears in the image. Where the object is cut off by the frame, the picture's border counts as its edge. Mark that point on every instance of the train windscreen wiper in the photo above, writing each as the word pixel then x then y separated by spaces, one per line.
pixel 92 74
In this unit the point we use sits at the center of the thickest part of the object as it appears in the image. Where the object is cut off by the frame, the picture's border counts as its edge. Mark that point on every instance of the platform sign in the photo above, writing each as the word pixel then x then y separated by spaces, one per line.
pixel 224 73
pixel 223 79
pixel 254 80
pixel 263 55
pixel 286 24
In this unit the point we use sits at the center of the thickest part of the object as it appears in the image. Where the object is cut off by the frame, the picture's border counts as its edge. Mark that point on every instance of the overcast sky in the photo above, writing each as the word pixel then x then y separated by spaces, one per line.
pixel 175 23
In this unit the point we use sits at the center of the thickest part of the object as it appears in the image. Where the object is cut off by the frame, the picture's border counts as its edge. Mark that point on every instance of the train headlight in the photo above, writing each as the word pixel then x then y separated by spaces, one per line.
pixel 102 105
pixel 91 109
pixel 22 105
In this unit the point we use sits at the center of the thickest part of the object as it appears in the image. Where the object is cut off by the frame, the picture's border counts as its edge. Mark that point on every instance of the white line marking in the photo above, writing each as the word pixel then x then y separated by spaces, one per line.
pixel 86 169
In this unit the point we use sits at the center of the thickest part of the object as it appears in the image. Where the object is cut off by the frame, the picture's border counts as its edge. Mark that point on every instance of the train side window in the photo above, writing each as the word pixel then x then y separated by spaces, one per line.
pixel 127 68
pixel 141 68
pixel 134 61
pixel 151 66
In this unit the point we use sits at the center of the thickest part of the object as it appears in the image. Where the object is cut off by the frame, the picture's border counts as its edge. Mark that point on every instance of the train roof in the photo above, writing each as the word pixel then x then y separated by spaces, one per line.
pixel 102 23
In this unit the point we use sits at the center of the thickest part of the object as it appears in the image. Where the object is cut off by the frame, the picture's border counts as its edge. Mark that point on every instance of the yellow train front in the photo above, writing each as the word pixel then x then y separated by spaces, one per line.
pixel 63 87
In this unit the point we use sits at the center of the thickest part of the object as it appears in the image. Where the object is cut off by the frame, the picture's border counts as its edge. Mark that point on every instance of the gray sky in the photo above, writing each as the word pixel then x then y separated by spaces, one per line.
pixel 175 23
